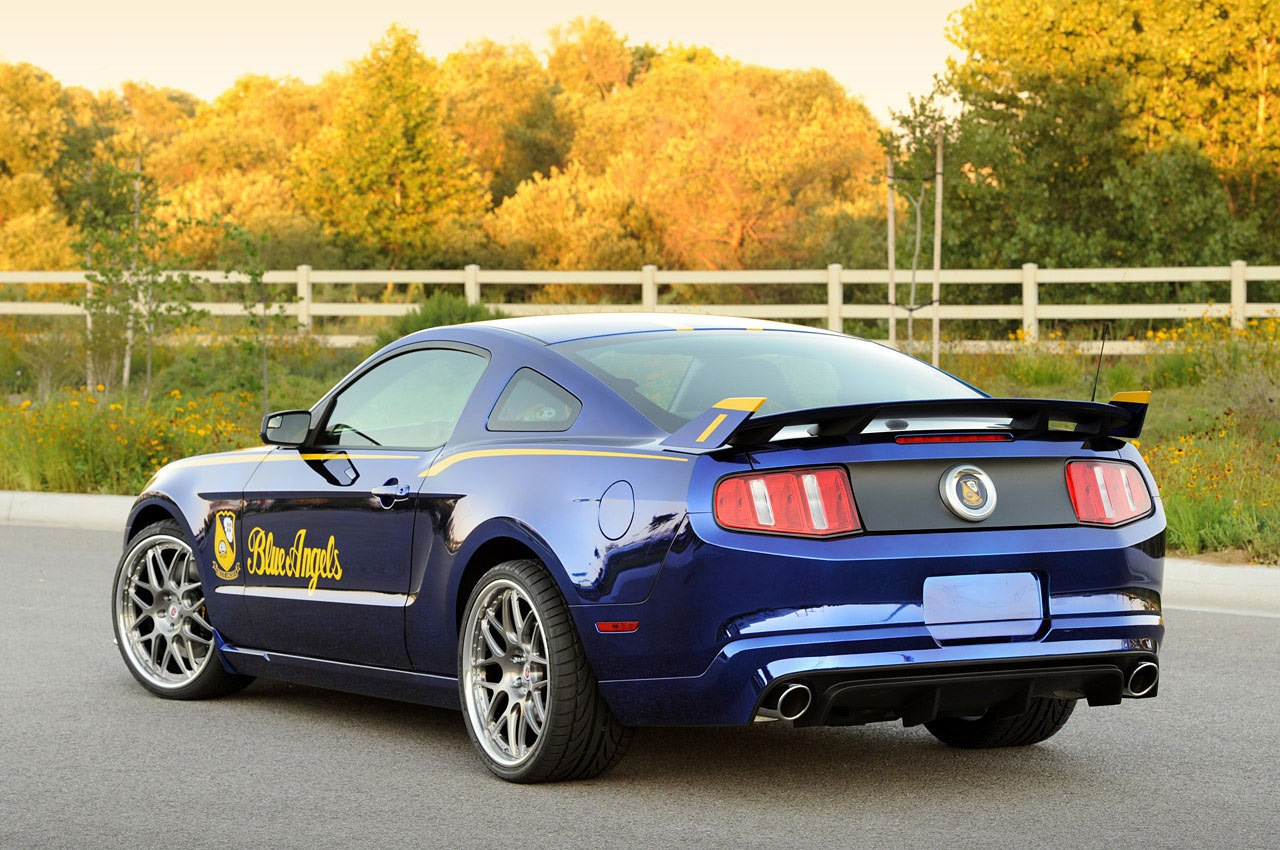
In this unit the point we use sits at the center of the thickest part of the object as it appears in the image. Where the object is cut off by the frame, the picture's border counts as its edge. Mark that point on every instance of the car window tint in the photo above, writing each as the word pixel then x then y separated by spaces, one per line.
pixel 412 400
pixel 534 402
pixel 673 377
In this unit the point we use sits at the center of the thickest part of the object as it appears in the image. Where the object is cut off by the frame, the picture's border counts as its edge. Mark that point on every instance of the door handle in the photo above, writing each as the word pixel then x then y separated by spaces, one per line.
pixel 391 492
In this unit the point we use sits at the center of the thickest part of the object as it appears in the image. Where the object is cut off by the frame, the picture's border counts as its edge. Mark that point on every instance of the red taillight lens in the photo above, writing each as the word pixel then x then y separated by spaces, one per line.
pixel 1107 492
pixel 808 502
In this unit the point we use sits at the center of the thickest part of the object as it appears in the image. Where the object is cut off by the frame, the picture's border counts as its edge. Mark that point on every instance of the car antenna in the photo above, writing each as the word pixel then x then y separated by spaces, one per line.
pixel 1106 327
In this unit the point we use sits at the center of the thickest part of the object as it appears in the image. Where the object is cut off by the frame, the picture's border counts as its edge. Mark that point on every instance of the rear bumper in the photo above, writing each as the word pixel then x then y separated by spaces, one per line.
pixel 732 614
pixel 854 680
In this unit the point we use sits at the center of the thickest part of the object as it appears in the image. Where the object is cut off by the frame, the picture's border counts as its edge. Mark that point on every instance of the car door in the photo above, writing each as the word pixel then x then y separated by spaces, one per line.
pixel 328 528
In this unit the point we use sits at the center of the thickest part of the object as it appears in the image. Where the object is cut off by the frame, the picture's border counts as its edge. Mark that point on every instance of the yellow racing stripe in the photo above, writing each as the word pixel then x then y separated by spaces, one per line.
pixel 442 465
pixel 247 456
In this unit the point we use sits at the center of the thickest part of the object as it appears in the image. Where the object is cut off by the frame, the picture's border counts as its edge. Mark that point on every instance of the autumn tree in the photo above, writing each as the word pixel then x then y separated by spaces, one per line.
pixel 705 163
pixel 384 172
pixel 231 161
pixel 501 101
pixel 589 58
pixel 34 232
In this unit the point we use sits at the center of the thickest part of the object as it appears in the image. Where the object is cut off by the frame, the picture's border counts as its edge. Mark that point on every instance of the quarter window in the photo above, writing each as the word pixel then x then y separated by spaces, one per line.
pixel 412 400
pixel 534 402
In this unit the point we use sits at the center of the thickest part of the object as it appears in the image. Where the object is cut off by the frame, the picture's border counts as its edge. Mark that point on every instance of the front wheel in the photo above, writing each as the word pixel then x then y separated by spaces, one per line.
pixel 161 624
pixel 1043 721
pixel 531 703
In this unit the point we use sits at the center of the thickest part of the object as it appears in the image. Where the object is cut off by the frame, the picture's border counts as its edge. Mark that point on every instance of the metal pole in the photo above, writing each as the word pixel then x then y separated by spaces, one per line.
pixel 893 261
pixel 937 251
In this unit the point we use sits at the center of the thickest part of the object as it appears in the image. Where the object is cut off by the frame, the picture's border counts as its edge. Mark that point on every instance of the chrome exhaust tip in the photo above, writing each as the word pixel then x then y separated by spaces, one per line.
pixel 1142 679
pixel 790 702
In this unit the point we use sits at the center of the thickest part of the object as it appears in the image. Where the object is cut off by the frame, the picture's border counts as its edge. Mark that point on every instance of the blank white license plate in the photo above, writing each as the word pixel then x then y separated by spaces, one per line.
pixel 985 605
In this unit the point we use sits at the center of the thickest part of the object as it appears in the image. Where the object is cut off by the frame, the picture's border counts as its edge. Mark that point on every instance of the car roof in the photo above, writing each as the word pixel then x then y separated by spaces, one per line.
pixel 554 329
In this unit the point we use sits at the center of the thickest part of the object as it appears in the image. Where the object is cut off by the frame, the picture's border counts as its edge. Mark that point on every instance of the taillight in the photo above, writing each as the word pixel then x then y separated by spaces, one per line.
pixel 808 502
pixel 1107 492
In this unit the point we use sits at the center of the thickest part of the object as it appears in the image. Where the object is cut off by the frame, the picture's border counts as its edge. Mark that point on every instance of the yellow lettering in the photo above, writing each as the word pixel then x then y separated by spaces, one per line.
pixel 312 563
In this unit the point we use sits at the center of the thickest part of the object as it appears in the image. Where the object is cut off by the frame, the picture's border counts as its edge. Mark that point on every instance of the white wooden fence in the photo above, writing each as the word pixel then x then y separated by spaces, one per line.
pixel 1025 285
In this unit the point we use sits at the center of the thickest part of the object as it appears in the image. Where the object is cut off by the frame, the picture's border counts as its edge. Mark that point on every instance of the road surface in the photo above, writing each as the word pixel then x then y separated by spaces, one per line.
pixel 89 759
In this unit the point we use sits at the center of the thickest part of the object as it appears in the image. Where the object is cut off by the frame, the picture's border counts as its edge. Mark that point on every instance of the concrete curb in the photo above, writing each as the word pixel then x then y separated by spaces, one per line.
pixel 1187 583
pixel 1214 587
pixel 65 510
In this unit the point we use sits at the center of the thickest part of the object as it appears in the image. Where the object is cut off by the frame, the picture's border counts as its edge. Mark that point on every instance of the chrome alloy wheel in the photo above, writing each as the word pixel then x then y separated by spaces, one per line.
pixel 160 615
pixel 506 673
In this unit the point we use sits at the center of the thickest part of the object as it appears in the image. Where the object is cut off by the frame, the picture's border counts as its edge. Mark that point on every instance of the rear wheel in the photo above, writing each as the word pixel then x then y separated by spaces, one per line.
pixel 531 703
pixel 1044 719
pixel 161 624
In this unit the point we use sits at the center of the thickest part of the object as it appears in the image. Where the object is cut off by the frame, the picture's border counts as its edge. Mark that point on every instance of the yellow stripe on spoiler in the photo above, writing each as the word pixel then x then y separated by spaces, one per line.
pixel 750 405
pixel 1133 397
pixel 710 429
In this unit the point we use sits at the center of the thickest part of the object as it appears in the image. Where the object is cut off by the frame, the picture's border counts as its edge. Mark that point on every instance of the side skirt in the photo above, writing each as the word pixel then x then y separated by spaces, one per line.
pixel 403 685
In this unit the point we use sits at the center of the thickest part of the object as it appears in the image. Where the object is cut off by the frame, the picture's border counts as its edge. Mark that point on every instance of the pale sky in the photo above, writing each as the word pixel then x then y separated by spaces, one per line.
pixel 881 50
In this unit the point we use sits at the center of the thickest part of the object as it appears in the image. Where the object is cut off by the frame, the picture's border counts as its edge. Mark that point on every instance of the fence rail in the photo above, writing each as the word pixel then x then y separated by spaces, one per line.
pixel 1026 286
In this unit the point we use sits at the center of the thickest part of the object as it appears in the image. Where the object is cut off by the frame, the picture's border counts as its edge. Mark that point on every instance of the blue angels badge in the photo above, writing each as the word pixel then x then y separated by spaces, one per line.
pixel 224 546
pixel 968 492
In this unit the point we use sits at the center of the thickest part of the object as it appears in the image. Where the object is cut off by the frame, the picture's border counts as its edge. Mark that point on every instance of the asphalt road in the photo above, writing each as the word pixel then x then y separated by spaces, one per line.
pixel 89 759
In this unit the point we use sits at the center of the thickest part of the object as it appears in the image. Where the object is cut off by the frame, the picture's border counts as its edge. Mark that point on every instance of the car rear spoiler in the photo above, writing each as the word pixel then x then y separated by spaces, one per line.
pixel 732 422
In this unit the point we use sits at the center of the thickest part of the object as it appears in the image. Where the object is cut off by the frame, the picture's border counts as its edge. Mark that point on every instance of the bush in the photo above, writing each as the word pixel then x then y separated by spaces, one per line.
pixel 441 308
pixel 1038 368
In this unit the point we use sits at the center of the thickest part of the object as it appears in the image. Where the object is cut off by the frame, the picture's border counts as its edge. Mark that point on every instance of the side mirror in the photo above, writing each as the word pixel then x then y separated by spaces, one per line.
pixel 286 427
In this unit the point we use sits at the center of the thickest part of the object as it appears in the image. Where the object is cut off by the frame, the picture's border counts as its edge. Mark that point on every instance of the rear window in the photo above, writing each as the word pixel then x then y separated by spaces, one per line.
pixel 672 377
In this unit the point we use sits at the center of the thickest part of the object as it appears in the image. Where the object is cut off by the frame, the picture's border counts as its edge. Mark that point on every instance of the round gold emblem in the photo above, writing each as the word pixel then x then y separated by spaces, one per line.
pixel 968 492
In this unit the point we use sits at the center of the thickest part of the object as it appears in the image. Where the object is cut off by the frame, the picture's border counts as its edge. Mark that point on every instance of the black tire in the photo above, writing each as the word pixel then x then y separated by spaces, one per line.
pixel 1044 719
pixel 580 738
pixel 212 678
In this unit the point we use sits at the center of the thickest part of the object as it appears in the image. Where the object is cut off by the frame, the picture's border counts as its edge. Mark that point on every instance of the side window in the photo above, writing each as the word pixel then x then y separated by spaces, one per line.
pixel 412 400
pixel 533 402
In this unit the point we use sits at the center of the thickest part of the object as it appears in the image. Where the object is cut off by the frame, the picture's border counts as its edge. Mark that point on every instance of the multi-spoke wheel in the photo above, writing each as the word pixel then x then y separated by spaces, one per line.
pixel 161 624
pixel 506 680
pixel 531 702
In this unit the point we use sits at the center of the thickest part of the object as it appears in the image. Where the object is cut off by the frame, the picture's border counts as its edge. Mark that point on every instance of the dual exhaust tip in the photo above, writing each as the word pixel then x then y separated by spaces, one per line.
pixel 1142 679
pixel 787 703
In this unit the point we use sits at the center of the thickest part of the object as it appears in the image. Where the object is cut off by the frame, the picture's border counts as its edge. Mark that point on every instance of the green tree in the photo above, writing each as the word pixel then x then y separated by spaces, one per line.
pixel 135 294
pixel 385 173
pixel 1108 133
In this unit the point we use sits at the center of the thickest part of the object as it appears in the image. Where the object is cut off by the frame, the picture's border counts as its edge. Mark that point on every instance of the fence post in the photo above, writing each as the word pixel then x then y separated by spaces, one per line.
pixel 304 296
pixel 1239 295
pixel 835 298
pixel 1030 303
pixel 471 283
pixel 649 288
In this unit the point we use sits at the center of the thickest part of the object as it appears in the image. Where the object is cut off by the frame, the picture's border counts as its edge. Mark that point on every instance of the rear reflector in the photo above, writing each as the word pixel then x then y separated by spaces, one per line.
pixel 1107 492
pixel 954 438
pixel 805 502
pixel 617 626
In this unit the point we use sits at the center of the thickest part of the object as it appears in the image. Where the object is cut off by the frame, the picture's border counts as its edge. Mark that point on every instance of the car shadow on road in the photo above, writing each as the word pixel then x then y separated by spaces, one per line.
pixel 879 761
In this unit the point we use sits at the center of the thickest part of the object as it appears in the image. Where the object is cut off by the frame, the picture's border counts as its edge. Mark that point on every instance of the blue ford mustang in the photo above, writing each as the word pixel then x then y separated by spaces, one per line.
pixel 572 526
